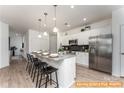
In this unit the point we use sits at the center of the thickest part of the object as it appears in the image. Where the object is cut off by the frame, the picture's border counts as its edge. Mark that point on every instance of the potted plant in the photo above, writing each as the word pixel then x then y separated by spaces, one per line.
pixel 13 48
pixel 61 50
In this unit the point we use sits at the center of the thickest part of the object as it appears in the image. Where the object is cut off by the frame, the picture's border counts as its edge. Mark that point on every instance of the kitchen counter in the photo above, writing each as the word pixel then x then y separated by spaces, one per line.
pixel 59 58
pixel 66 65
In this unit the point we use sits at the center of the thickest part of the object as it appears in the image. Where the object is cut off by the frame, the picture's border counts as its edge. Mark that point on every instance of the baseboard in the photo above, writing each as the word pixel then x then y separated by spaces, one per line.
pixel 115 75
pixel 3 67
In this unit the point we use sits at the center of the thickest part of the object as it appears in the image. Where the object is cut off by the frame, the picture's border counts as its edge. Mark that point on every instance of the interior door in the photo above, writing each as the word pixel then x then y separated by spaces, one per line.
pixel 122 49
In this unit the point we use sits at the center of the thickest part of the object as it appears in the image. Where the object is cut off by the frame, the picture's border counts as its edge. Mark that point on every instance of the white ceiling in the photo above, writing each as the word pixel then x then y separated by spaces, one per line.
pixel 24 17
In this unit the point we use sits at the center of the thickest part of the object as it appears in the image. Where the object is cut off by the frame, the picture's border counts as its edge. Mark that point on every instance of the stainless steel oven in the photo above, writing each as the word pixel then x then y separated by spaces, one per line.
pixel 73 42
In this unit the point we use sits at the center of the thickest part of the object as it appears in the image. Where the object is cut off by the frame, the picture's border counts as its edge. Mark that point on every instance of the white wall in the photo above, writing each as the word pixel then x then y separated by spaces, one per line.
pixel 26 44
pixel 117 20
pixel 33 43
pixel 53 43
pixel 4 47
pixel 59 39
pixel 16 39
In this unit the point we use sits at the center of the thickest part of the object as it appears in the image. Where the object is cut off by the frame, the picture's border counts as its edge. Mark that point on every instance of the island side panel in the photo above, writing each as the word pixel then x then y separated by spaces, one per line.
pixel 67 72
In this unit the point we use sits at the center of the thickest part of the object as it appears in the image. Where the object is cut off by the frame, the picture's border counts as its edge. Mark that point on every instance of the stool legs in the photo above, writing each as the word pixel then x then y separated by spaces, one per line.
pixel 30 68
pixel 34 74
pixel 32 71
pixel 27 66
pixel 47 78
pixel 50 79
pixel 40 81
pixel 37 78
pixel 57 79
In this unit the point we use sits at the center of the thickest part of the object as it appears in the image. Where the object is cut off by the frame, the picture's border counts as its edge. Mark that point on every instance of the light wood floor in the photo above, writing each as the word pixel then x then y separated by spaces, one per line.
pixel 15 75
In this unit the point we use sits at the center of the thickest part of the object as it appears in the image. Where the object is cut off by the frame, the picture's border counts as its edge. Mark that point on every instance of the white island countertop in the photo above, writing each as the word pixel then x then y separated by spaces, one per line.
pixel 66 65
pixel 59 58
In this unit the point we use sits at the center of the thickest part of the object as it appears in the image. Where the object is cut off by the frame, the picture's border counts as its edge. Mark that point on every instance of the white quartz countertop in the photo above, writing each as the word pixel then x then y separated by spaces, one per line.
pixel 59 58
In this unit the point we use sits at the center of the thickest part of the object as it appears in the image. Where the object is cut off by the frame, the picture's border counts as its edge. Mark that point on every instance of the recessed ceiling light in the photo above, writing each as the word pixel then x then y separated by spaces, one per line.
pixel 84 19
pixel 72 6
pixel 68 25
pixel 39 36
pixel 54 18
pixel 44 25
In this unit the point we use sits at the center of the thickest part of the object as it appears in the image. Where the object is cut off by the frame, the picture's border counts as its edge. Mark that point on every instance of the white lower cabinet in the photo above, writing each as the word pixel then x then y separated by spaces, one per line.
pixel 82 58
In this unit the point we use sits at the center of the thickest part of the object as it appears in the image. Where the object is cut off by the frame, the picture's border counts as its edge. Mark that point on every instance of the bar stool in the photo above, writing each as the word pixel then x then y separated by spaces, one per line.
pixel 48 73
pixel 28 66
pixel 37 66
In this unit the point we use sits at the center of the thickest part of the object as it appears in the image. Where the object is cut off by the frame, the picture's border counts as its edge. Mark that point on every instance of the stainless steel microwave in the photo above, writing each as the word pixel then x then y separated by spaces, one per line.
pixel 73 42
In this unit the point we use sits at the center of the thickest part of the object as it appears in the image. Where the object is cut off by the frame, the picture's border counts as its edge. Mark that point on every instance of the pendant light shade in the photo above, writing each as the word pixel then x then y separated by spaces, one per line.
pixel 39 35
pixel 45 34
pixel 55 29
pixel 45 25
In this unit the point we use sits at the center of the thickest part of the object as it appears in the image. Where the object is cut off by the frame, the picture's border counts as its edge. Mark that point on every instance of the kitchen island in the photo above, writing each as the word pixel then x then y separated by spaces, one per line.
pixel 66 65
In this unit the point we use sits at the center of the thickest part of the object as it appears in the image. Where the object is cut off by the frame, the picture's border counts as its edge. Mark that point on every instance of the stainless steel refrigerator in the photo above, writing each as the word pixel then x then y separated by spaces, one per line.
pixel 100 53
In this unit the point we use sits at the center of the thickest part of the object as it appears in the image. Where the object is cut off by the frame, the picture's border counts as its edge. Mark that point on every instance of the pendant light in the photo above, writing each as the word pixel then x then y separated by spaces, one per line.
pixel 55 29
pixel 45 33
pixel 39 35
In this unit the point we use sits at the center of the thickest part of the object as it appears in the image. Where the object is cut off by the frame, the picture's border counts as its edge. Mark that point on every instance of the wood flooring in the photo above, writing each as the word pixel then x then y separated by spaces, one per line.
pixel 15 76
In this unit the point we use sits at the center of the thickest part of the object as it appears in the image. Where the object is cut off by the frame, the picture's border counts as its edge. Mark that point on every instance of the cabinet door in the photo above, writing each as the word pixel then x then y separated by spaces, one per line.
pixel 86 59
pixel 77 57
pixel 81 38
pixel 83 58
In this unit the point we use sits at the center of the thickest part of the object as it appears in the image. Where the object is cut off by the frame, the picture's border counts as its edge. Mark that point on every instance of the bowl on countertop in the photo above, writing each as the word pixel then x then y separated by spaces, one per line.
pixel 45 53
pixel 39 52
pixel 54 55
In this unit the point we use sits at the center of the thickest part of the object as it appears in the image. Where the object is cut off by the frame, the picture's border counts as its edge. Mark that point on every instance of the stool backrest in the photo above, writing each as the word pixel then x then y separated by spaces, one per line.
pixel 33 59
pixel 28 57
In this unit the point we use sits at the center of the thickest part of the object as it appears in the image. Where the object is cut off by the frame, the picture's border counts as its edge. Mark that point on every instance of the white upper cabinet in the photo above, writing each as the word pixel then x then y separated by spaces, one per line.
pixel 83 37
pixel 64 40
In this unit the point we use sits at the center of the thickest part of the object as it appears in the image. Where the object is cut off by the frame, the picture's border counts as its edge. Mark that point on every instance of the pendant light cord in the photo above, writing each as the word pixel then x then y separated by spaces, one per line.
pixel 39 20
pixel 45 17
pixel 55 13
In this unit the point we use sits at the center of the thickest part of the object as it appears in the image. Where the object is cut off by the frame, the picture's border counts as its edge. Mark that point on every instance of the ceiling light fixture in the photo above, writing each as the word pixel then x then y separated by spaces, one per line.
pixel 68 25
pixel 45 33
pixel 39 35
pixel 54 18
pixel 55 29
pixel 72 6
pixel 84 19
